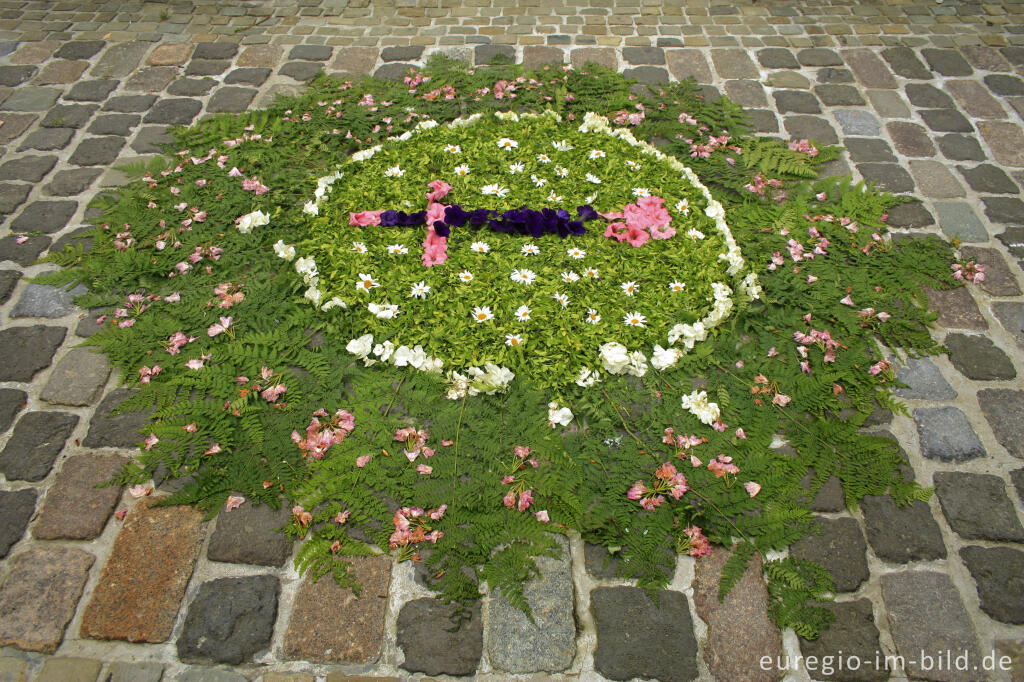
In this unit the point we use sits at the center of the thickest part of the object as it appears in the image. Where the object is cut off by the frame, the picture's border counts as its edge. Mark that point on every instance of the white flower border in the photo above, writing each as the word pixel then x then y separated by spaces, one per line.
pixel 613 357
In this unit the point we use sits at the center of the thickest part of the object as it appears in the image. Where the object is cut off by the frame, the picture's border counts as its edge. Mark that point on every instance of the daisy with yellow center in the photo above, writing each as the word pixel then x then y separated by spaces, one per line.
pixel 508 144
pixel 676 286
pixel 523 313
pixel 466 276
pixel 482 314
pixel 359 247
pixel 593 317
pixel 634 319
pixel 453 149
pixel 629 288
pixel 591 273
pixel 512 340
pixel 596 154
pixel 462 170
pixel 576 252
pixel 366 282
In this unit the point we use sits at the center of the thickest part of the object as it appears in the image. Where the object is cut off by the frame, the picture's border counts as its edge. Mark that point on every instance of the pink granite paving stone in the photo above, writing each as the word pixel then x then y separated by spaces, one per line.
pixel 143 583
pixel 39 596
pixel 75 508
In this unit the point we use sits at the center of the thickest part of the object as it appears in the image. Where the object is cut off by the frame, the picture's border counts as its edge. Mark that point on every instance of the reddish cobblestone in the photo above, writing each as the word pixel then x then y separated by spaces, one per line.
pixel 75 508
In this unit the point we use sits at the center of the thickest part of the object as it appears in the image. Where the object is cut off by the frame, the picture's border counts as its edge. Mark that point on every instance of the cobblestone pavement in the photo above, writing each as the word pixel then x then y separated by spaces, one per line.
pixel 926 96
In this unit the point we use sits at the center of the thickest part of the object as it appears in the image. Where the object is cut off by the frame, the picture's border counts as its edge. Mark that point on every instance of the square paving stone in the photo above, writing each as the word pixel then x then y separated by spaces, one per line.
pixel 16 508
pixel 221 50
pixel 128 104
pixel 248 76
pixel 172 54
pixel 976 357
pixel 731 63
pixel 31 98
pixel 649 75
pixel 635 55
pixel 358 61
pixel 12 195
pixel 144 580
pixel 135 672
pixel 998 573
pixel 27 350
pixel 71 182
pixel 270 55
pixel 600 563
pixel 173 111
pixel 114 124
pixel 957 219
pixel 12 401
pixel 928 618
pixel 79 49
pixel 1004 85
pixel 120 60
pixel 975 99
pixel 44 300
pixel 152 140
pixel 76 508
pixel 61 71
pixel 946 121
pixel 986 58
pixel 947 435
pixel 812 128
pixel 231 99
pixel 48 139
pixel 924 381
pixel 740 632
pixel 888 104
pixel 832 75
pixel 37 439
pixel 66 669
pixel 1004 210
pixel 871 71
pixel 777 58
pixel 839 95
pixel 1006 140
pixel 947 62
pixel 977 506
pixel 910 139
pixel 230 620
pixel 935 180
pixel 389 54
pixel 207 67
pixel 97 151
pixel 39 596
pixel 153 79
pixel 956 309
pixel 8 281
pixel 435 642
pixel 901 534
pixel 788 79
pixel 115 431
pixel 960 148
pixel 24 253
pixel 68 116
pixel 14 125
pixel 857 122
pixel 796 101
pixel 12 76
pixel 329 624
pixel 819 57
pixel 869 149
pixel 889 177
pixel 840 548
pixel 852 635
pixel 905 63
pixel 33 52
pixel 1004 411
pixel 44 216
pixel 250 535
pixel 989 179
pixel 928 96
pixel 78 378
pixel 762 120
pixel 27 168
pixel 638 638
pixel 91 91
pixel 191 87
pixel 1017 477
pixel 999 281
pixel 746 93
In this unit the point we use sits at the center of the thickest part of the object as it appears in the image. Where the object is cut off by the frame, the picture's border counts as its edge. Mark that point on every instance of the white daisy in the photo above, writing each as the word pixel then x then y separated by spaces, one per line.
pixel 683 206
pixel 576 252
pixel 593 317
pixel 517 167
pixel 596 154
pixel 496 190
pixel 359 247
pixel 544 158
pixel 453 149
pixel 641 192
pixel 676 286
pixel 562 146
pixel 694 233
pixel 462 170
pixel 593 178
pixel 629 288
pixel 466 276
pixel 384 311
pixel 539 182
pixel 634 319
pixel 591 273
pixel 570 277
pixel 480 247
pixel 512 340
pixel 394 172
pixel 523 276
pixel 523 313
pixel 561 172
pixel 482 314
pixel 419 290
pixel 506 143
pixel 529 250
pixel 554 197
pixel 632 165
pixel 561 298
pixel 366 282
pixel 397 249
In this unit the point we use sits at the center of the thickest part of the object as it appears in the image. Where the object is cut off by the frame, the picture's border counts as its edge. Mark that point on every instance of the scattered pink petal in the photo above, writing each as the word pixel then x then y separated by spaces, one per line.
pixel 139 491
pixel 234 502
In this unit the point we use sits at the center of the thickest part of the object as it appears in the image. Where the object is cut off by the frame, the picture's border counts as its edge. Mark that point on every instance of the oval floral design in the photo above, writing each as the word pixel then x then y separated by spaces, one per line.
pixel 523 245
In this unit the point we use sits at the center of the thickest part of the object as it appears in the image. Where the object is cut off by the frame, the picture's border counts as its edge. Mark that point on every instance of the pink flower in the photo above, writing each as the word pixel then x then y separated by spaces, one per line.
pixel 752 488
pixel 879 367
pixel 446 443
pixel 302 517
pixel 508 479
pixel 151 441
pixel 234 173
pixel 781 399
pixel 362 461
pixel 741 434
pixel 637 491
pixel 215 328
pixel 194 363
pixel 695 461
pixel 772 352
pixel 233 502
pixel 342 517
pixel 139 491
pixel 21 239
pixel 542 516
pixel 191 428
pixel 509 500
pixel 213 449
pixel 435 249
pixel 435 213
pixel 438 513
pixel 120 514
pixel 424 470
pixel 699 545
pixel 173 298
pixel 364 218
pixel 272 394
pixel 525 500
pixel 522 451
pixel 650 503
pixel 440 187
pixel 847 300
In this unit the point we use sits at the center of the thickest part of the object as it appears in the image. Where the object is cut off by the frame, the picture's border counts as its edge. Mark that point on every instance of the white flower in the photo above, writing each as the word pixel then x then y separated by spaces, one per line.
pixel 698 405
pixel 529 250
pixel 587 377
pixel 513 340
pixel 562 146
pixel 383 311
pixel 664 358
pixel 359 247
pixel 677 286
pixel 683 206
pixel 284 250
pixel 720 291
pixel 334 303
pixel 523 313
pixel 384 350
pixel 637 364
pixel 689 333
pixel 506 143
pixel 614 357
pixel 558 416
pixel 751 287
pixel 592 316
pixel 641 192
pixel 462 170
pixel 306 267
pixel 426 125
pixel 590 199
pixel 694 233
pixel 314 295
pixel 591 273
pixel 593 178
pixel 366 282
pixel 480 247
pixel 632 165
pixel 311 208
pixel 482 314
pixel 496 190
pixel 629 288
pixel 419 290
pixel 570 277
pixel 554 197
pixel 561 298
pixel 596 154
pixel 523 276
pixel 576 252
pixel 360 347
pixel 466 276
pixel 517 167
pixel 544 158
pixel 634 319
pixel 539 182
pixel 397 249
pixel 453 149
pixel 364 154
pixel 561 172
pixel 394 172
pixel 250 220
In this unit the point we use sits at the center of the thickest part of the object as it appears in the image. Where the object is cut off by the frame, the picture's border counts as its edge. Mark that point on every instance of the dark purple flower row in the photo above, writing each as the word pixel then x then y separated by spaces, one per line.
pixel 524 221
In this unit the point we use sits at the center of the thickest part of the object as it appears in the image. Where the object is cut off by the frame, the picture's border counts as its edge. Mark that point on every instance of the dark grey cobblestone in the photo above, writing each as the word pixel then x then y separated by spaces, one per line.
pixel 47 140
pixel 231 99
pixel 1004 411
pixel 173 111
pixel 68 116
pixel 37 439
pixel 977 507
pixel 16 508
pixel 840 548
pixel 988 178
pixel 852 634
pixel 130 103
pixel 230 620
pixel 97 151
pixel 433 645
pixel 960 148
pixel 114 431
pixel 192 87
pixel 304 71
pixel 24 253
pixel 946 434
pixel 249 535
pixel 91 91
pixel 901 534
pixel 997 573
pixel 976 357
pixel 924 381
pixel 27 168
pixel 68 183
pixel 207 67
pixel 248 76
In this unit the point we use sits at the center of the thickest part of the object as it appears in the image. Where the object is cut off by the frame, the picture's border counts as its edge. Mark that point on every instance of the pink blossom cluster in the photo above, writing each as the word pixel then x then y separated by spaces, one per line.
pixel 254 185
pixel 633 118
pixel 699 545
pixel 683 443
pixel 822 338
pixel 668 481
pixel 177 341
pixel 519 487
pixel 714 143
pixel 761 185
pixel 245 137
pixel 848 223
pixel 869 313
pixel 320 436
pixel 645 219
pixel 412 526
pixel 229 294
pixel 970 272
pixel 194 258
pixel 414 79
pixel 447 92
pixel 415 442
pixel 525 499
pixel 147 373
pixel 804 146
pixel 879 367
pixel 722 465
